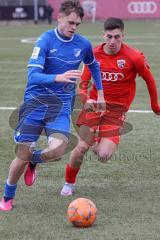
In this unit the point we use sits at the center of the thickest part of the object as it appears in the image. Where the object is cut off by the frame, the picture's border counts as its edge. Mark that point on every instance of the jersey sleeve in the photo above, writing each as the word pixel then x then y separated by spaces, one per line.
pixel 39 53
pixel 88 54
pixel 37 61
pixel 143 70
pixel 141 64
pixel 93 65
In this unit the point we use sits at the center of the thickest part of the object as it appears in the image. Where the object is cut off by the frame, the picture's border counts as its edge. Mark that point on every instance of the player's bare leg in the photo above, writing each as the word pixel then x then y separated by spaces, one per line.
pixel 24 154
pixel 86 138
pixel 104 149
pixel 56 148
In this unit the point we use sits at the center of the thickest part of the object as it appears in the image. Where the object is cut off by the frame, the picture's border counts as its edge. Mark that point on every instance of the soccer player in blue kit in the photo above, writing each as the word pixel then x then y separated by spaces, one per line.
pixel 49 96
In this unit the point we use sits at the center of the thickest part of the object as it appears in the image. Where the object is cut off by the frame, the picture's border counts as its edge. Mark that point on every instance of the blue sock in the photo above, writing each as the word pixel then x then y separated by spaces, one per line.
pixel 36 158
pixel 9 191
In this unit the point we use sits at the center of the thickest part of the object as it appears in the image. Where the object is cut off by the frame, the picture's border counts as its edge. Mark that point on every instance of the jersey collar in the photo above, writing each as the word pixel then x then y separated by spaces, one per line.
pixel 62 38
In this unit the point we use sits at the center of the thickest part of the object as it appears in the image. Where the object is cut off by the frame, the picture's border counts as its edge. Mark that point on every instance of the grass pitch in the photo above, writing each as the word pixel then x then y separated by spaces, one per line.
pixel 126 190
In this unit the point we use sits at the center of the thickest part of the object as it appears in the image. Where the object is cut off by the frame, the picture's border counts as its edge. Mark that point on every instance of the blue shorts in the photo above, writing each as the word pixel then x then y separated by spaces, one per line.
pixel 35 116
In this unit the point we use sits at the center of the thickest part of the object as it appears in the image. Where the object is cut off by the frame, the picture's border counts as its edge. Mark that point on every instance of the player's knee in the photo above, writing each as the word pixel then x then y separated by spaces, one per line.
pixel 23 154
pixel 53 155
pixel 103 156
pixel 21 162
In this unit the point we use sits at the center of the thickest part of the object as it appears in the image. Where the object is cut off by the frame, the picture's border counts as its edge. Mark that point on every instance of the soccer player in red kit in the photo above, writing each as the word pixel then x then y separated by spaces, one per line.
pixel 119 65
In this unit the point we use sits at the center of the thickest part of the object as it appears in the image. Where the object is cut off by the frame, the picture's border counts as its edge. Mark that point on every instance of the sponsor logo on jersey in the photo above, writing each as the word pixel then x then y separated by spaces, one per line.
pixel 111 76
pixel 121 63
pixel 77 52
pixel 35 53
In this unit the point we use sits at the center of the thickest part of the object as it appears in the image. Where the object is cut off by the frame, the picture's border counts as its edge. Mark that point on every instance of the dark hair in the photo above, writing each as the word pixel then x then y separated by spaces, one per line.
pixel 70 6
pixel 113 23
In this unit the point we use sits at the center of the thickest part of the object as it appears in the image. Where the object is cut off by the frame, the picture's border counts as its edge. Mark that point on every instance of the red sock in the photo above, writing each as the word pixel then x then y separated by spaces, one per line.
pixel 71 174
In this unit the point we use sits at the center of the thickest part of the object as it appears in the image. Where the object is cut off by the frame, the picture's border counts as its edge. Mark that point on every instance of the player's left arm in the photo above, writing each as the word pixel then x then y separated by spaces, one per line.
pixel 144 71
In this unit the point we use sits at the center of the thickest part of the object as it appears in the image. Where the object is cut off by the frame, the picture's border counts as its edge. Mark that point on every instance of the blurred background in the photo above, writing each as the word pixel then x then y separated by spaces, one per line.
pixel 94 9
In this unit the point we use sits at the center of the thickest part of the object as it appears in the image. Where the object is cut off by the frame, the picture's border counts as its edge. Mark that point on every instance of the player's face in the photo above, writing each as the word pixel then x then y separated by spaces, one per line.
pixel 67 25
pixel 113 39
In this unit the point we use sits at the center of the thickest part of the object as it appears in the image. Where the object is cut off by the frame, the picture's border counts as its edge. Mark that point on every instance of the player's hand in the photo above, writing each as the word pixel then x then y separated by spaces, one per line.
pixel 101 103
pixel 156 109
pixel 90 104
pixel 69 76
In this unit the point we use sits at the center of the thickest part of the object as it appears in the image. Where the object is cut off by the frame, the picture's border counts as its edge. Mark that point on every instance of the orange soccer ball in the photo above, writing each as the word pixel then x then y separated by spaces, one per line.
pixel 82 212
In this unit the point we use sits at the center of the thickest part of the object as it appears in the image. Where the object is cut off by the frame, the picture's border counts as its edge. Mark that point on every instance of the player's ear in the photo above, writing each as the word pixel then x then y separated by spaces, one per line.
pixel 104 35
pixel 59 17
pixel 122 35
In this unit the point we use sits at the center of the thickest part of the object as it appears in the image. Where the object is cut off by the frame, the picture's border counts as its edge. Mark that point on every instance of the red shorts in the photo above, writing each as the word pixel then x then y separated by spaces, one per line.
pixel 107 125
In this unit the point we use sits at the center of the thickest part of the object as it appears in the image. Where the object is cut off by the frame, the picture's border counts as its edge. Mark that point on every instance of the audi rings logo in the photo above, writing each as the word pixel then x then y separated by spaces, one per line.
pixel 142 7
pixel 113 77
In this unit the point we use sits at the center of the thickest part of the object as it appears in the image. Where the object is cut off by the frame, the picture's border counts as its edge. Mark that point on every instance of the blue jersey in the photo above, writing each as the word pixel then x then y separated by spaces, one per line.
pixel 47 103
pixel 54 55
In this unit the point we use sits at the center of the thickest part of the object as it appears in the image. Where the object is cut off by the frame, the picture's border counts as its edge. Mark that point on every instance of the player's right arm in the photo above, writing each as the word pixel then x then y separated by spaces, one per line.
pixel 37 77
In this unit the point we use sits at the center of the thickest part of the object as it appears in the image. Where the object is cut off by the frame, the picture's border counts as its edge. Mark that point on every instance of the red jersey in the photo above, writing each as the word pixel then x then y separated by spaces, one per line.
pixel 118 73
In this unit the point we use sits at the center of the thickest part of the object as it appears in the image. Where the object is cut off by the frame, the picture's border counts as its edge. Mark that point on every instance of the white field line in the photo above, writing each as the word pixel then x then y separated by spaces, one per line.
pixel 31 41
pixel 7 108
pixel 130 111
